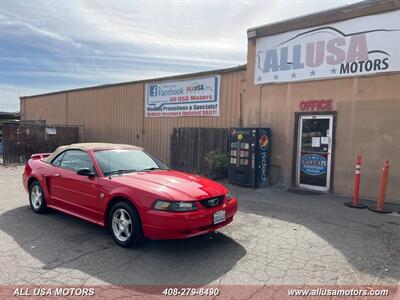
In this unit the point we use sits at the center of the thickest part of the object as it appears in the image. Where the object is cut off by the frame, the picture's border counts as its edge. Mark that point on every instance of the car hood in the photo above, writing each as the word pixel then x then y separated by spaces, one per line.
pixel 173 185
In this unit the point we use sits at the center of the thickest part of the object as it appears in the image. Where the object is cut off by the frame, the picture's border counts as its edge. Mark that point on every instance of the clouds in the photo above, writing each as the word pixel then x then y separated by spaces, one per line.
pixel 52 45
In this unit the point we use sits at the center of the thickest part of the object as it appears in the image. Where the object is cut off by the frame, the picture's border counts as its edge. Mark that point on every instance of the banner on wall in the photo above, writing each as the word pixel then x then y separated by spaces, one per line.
pixel 360 46
pixel 189 98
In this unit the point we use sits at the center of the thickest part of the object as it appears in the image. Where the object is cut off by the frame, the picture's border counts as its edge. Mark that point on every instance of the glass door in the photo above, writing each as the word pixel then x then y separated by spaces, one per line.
pixel 314 152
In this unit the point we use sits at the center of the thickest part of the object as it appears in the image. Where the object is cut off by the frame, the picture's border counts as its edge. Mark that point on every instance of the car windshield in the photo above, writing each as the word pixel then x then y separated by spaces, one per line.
pixel 119 161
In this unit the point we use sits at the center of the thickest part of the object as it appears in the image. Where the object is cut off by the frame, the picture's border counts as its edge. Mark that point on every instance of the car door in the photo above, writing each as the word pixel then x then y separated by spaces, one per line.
pixel 73 193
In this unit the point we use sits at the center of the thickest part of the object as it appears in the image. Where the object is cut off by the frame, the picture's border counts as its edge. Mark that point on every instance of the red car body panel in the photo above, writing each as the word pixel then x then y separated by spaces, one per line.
pixel 90 198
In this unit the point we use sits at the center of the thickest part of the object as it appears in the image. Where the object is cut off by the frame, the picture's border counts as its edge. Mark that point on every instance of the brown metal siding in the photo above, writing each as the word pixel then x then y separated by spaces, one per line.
pixel 110 114
pixel 51 109
pixel 116 113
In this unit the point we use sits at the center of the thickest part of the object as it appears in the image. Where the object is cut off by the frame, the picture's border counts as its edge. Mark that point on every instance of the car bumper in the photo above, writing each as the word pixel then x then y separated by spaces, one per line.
pixel 169 225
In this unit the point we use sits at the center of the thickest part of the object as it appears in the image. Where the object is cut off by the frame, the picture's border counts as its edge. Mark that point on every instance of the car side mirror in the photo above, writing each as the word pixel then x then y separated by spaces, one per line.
pixel 85 172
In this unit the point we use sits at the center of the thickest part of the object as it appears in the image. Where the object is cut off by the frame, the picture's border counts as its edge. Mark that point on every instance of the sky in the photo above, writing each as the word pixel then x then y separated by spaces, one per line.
pixel 55 45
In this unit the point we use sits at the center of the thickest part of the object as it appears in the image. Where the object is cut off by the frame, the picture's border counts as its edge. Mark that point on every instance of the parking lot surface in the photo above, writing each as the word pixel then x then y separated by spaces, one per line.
pixel 277 238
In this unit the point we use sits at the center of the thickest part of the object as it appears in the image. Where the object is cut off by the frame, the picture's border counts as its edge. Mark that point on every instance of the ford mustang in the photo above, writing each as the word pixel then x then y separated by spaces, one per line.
pixel 127 190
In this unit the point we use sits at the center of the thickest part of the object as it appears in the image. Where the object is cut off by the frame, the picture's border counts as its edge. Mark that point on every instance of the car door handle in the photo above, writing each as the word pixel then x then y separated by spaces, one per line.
pixel 57 175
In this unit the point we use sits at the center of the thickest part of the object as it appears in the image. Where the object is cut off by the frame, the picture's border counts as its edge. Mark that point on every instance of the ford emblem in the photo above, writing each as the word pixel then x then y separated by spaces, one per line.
pixel 213 202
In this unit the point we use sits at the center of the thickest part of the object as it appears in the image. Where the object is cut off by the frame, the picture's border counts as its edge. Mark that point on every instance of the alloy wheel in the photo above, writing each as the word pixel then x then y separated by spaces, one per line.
pixel 122 225
pixel 36 197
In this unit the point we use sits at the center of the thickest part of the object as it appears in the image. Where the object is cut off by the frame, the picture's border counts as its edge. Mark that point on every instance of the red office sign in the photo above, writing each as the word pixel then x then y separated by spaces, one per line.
pixel 316 105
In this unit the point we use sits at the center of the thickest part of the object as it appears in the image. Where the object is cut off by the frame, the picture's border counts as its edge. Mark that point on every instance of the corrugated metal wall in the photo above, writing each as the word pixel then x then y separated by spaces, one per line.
pixel 112 115
pixel 49 108
pixel 116 113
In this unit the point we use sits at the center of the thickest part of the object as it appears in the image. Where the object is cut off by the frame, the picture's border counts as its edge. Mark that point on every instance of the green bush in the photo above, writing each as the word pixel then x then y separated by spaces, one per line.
pixel 218 162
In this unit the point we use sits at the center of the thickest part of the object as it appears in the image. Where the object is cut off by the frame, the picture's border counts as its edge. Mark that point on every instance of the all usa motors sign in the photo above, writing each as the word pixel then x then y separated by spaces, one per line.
pixel 198 97
pixel 360 46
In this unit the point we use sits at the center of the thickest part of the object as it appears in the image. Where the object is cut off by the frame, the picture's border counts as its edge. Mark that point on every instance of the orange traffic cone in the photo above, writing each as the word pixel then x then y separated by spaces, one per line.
pixel 382 190
pixel 357 176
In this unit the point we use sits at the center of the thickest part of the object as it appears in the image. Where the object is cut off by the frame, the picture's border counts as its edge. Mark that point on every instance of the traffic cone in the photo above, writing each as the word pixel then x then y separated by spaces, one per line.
pixel 382 189
pixel 357 177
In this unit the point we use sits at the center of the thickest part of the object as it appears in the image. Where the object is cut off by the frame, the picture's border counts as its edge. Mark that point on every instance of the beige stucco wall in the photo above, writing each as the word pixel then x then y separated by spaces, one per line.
pixel 368 122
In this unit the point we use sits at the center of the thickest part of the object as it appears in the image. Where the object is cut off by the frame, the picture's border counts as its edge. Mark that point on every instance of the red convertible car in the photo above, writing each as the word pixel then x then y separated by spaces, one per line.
pixel 128 190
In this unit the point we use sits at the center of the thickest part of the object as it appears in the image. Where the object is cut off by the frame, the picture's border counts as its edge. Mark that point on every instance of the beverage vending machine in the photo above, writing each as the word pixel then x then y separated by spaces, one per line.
pixel 250 156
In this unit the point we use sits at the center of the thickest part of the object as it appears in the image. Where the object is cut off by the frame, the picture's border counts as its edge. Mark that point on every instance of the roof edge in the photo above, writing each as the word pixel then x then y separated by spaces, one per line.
pixel 180 76
pixel 346 12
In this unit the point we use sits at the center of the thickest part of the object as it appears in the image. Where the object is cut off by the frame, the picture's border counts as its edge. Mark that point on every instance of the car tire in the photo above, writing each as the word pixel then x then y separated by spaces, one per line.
pixel 125 225
pixel 37 200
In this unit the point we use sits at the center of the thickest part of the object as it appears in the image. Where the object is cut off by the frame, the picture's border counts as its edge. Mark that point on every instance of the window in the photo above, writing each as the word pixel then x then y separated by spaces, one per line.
pixel 57 160
pixel 76 160
pixel 124 161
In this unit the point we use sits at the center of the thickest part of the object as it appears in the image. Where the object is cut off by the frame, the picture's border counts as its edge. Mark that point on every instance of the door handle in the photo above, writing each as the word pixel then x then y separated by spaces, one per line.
pixel 57 175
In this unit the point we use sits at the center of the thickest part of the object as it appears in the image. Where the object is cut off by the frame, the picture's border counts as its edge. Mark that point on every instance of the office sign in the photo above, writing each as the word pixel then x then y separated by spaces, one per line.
pixel 189 98
pixel 316 105
pixel 360 46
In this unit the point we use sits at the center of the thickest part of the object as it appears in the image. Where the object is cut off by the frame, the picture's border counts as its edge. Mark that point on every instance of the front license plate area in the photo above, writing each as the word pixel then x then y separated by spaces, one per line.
pixel 219 217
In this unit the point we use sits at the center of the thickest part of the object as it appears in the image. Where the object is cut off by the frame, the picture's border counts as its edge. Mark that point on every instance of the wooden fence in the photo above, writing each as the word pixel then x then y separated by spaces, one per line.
pixel 22 139
pixel 190 145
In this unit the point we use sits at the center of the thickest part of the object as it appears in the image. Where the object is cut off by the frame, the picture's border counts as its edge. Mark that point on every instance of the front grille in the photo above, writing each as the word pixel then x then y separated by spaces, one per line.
pixel 213 202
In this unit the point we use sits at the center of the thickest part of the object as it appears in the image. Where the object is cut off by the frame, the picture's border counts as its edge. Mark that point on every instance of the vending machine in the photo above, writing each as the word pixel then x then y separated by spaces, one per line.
pixel 250 157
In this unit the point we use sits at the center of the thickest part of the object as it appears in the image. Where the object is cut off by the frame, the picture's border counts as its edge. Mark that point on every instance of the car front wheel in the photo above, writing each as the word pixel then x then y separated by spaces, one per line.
pixel 36 198
pixel 125 225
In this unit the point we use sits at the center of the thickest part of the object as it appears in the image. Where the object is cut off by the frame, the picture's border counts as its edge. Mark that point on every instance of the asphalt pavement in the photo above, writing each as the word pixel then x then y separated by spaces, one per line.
pixel 277 237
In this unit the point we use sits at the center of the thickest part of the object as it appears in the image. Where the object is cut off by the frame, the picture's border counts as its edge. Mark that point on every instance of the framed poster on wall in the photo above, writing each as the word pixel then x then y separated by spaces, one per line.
pixel 186 98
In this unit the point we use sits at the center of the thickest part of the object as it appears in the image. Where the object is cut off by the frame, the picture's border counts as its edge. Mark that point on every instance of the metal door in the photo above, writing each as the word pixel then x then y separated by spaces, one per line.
pixel 314 152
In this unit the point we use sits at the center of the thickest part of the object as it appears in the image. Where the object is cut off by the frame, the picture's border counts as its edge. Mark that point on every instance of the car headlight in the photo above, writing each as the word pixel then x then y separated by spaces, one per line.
pixel 174 205
pixel 228 196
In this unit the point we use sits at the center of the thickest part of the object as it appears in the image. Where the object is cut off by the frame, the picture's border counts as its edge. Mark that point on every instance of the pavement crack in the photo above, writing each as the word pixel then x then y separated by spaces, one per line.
pixel 49 266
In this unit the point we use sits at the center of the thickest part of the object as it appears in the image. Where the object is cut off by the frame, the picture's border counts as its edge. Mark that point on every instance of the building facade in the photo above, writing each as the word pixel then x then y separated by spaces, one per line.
pixel 327 84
